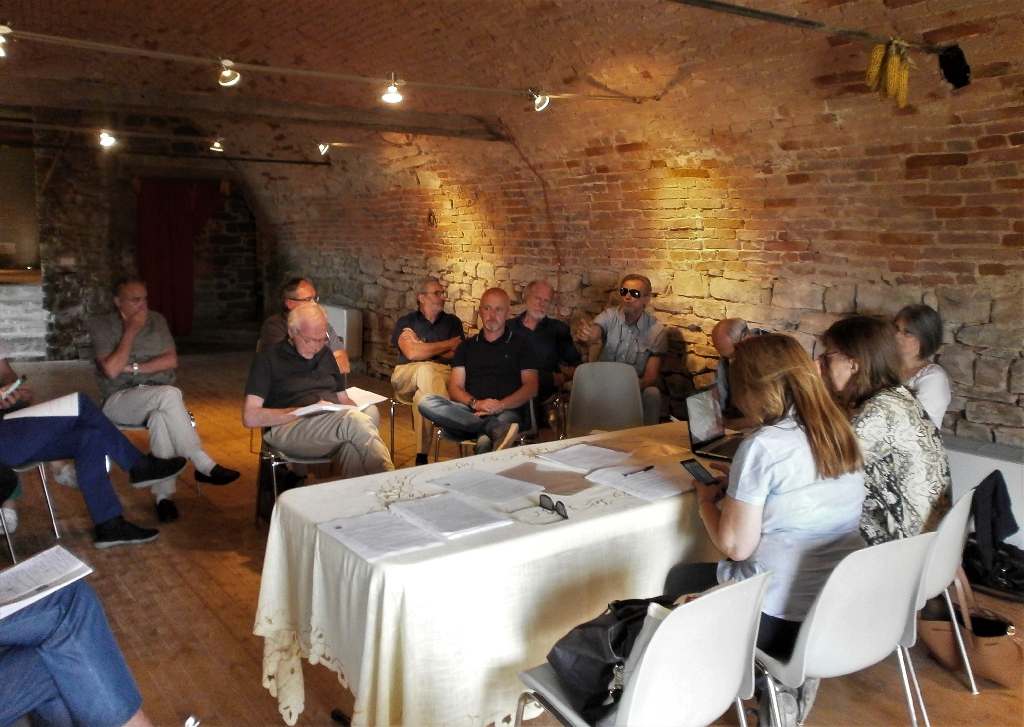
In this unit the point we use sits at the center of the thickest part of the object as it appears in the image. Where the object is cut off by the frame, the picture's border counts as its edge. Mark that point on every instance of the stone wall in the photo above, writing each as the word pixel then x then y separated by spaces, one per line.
pixel 23 321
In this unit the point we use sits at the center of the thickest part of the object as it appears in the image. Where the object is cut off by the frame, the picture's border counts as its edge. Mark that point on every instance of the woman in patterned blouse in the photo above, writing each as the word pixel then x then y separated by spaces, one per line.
pixel 907 474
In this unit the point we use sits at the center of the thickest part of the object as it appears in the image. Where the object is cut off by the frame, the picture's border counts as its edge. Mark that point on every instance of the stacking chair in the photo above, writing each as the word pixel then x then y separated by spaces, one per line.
pixel 396 399
pixel 273 458
pixel 699 661
pixel 858 619
pixel 605 396
pixel 939 571
pixel 44 478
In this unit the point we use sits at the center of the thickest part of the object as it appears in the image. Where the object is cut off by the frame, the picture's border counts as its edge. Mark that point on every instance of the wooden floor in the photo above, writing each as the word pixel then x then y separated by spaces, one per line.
pixel 182 608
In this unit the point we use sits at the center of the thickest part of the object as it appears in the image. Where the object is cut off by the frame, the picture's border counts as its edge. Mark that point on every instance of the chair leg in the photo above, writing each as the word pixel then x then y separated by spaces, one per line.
pixel 960 640
pixel 49 500
pixel 392 428
pixel 917 686
pixel 906 687
pixel 740 713
pixel 437 445
pixel 523 699
pixel 773 695
pixel 10 544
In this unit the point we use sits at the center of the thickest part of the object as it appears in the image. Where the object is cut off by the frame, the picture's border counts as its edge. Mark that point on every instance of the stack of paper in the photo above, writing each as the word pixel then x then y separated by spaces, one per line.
pixel 644 482
pixel 377 535
pixel 448 516
pixel 38 577
pixel 486 486
pixel 585 457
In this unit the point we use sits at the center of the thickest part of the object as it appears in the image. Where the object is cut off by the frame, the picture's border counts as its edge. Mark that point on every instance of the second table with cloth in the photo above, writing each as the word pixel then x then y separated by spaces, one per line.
pixel 438 636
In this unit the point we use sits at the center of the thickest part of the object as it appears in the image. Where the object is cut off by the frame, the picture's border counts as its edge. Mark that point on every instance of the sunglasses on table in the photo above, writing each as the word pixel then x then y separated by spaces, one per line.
pixel 630 291
pixel 556 507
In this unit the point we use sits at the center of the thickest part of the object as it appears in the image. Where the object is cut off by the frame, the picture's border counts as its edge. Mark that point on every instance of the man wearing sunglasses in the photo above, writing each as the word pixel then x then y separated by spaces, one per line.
pixel 294 293
pixel 633 336
pixel 300 371
pixel 494 375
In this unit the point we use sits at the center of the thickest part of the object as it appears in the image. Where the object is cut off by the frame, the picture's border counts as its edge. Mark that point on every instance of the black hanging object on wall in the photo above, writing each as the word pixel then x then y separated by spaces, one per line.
pixel 954 66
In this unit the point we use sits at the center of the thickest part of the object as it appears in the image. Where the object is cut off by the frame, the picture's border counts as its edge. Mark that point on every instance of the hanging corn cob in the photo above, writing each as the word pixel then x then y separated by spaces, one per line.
pixel 889 71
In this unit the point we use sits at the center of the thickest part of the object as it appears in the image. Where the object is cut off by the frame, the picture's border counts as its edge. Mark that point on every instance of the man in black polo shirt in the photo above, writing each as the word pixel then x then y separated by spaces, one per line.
pixel 494 374
pixel 426 340
pixel 299 371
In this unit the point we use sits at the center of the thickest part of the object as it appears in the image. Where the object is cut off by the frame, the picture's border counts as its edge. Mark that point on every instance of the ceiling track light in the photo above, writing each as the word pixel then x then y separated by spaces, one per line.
pixel 540 100
pixel 228 75
pixel 324 148
pixel 4 31
pixel 217 146
pixel 107 140
pixel 392 95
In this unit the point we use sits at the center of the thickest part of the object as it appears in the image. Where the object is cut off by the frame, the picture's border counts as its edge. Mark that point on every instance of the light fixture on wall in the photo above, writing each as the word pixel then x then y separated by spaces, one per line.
pixel 392 95
pixel 107 140
pixel 4 30
pixel 540 100
pixel 324 148
pixel 228 75
pixel 217 146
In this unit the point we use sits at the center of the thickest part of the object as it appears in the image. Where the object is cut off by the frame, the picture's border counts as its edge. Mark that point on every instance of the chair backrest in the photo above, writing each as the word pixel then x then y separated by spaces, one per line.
pixel 699 660
pixel 948 550
pixel 860 615
pixel 605 396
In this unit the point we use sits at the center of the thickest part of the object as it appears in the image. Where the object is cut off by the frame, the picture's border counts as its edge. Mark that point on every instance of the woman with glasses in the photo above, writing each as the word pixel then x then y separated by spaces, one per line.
pixel 904 459
pixel 795 490
pixel 919 335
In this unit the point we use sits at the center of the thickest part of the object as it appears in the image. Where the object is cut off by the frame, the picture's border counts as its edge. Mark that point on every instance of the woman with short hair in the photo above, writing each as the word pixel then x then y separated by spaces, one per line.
pixel 919 335
pixel 907 474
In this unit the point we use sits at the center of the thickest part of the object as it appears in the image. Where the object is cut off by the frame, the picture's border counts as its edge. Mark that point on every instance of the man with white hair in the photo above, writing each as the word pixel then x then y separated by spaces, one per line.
pixel 299 371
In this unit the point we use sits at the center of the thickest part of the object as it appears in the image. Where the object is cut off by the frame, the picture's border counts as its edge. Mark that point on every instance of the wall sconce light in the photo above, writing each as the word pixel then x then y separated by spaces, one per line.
pixel 540 100
pixel 217 146
pixel 392 95
pixel 107 140
pixel 4 30
pixel 228 75
pixel 324 148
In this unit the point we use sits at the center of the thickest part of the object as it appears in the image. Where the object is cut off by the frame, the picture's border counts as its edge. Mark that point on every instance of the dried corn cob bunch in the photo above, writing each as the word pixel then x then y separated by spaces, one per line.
pixel 889 70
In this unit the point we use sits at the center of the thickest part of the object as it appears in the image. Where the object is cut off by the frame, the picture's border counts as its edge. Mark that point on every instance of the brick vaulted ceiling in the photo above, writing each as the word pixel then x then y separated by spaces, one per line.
pixel 703 64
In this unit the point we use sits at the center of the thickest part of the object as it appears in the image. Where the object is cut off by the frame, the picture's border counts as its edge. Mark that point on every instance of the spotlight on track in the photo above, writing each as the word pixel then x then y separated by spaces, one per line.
pixel 228 75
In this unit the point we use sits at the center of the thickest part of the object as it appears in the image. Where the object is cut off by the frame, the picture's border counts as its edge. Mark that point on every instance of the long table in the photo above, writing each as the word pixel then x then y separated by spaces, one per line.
pixel 438 636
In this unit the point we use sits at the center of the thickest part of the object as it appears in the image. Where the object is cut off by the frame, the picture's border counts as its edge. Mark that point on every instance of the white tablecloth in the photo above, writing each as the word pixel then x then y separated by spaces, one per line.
pixel 437 637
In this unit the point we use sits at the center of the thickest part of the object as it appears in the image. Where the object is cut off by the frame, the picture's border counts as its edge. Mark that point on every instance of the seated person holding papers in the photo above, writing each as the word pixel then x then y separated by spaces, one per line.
pixel 794 496
pixel 494 374
pixel 300 371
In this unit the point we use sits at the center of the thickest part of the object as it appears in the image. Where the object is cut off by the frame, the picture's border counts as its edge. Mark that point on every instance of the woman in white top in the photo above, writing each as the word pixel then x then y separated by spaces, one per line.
pixel 919 335
pixel 795 490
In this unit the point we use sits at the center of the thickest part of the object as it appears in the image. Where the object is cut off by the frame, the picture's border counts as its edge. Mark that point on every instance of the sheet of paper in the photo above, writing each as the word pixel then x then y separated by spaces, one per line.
pixel 320 407
pixel 585 457
pixel 65 406
pixel 449 516
pixel 647 484
pixel 38 577
pixel 364 398
pixel 377 535
pixel 486 486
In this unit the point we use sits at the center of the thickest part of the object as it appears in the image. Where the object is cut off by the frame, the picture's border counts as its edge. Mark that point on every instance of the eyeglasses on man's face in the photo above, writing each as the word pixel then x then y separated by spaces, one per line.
pixel 437 293
pixel 307 299
pixel 318 342
pixel 631 291
pixel 556 507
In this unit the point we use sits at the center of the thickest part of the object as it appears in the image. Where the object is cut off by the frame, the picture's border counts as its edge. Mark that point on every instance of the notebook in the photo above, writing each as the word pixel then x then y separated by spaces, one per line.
pixel 707 429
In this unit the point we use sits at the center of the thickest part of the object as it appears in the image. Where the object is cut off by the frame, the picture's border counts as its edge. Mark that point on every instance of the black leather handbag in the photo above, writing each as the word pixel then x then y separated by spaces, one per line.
pixel 1006 576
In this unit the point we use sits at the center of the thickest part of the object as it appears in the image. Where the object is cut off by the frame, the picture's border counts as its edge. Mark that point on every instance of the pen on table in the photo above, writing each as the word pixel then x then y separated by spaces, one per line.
pixel 648 468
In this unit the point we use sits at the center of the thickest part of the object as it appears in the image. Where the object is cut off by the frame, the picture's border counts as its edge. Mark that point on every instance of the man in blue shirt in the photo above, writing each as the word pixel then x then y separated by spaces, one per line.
pixel 426 341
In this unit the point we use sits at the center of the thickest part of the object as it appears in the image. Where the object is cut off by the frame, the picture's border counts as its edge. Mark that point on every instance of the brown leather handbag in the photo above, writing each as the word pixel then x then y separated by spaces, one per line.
pixel 993 645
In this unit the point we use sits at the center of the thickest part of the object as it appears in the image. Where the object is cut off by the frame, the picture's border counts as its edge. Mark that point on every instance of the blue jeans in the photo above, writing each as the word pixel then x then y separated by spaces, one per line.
pixel 460 421
pixel 59 662
pixel 86 439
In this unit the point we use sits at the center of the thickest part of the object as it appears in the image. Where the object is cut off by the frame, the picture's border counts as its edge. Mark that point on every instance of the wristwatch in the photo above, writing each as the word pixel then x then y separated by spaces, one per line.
pixel 472 403
pixel 135 368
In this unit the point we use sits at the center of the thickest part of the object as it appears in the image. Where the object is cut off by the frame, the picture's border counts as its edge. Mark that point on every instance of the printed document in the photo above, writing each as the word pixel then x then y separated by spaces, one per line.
pixel 486 486
pixel 65 406
pixel 585 457
pixel 364 398
pixel 448 516
pixel 38 577
pixel 377 535
pixel 639 481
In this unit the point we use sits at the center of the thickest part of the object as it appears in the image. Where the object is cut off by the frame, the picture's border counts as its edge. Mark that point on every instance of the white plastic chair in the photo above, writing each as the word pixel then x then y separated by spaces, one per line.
pixel 605 396
pixel 858 619
pixel 699 661
pixel 940 568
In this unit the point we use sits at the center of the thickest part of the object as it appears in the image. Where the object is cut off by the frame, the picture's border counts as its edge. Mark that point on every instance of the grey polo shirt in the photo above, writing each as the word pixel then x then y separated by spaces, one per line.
pixel 152 340
pixel 631 344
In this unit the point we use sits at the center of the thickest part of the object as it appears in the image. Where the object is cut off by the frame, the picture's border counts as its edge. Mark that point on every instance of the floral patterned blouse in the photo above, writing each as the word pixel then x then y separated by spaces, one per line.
pixel 907 474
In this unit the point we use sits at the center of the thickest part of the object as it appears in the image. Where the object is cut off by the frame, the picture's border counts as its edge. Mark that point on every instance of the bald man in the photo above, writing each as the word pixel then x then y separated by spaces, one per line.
pixel 494 376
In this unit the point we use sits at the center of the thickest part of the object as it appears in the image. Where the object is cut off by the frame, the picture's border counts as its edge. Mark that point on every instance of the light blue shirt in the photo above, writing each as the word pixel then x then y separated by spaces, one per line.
pixel 808 524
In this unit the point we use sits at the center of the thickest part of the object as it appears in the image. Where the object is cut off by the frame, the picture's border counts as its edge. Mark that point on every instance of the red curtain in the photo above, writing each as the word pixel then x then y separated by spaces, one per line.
pixel 171 212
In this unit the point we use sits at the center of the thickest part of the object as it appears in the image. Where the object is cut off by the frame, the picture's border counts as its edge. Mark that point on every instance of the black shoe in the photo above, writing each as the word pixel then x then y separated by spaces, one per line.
pixel 289 481
pixel 166 511
pixel 218 476
pixel 118 531
pixel 149 470
pixel 421 459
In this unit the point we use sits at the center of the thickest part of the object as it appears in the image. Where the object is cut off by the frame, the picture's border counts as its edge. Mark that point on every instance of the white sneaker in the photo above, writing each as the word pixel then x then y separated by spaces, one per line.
pixel 10 516
pixel 64 473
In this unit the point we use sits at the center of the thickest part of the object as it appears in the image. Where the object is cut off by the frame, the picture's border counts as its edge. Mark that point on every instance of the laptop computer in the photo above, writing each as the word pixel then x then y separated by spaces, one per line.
pixel 707 429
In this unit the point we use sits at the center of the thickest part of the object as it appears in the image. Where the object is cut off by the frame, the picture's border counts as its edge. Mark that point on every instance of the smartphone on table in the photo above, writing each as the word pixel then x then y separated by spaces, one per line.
pixel 699 472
